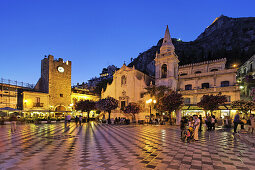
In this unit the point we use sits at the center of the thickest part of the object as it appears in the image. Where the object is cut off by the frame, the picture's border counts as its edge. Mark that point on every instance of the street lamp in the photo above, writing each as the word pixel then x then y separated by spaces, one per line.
pixel 149 102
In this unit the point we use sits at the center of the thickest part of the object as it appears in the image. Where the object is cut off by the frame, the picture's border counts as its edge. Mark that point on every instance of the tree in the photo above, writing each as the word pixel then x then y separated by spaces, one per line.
pixel 212 102
pixel 133 109
pixel 170 102
pixel 85 106
pixel 107 104
pixel 243 106
pixel 157 91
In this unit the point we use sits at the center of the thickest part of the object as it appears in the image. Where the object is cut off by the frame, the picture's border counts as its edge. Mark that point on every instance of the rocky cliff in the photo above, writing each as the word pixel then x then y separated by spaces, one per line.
pixel 231 38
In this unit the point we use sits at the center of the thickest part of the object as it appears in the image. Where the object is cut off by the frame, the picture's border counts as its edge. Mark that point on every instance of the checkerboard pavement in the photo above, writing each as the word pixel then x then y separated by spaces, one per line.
pixel 99 146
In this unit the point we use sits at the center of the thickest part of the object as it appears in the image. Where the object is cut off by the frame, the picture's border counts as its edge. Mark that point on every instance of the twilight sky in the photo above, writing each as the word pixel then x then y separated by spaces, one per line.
pixel 95 34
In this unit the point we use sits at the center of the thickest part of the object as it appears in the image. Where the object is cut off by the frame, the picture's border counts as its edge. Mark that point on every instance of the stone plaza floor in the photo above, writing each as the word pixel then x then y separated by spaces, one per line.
pixel 99 146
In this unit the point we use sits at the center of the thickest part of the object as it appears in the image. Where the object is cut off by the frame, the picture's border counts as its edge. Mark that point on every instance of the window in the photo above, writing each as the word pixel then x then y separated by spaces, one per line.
pixel 205 85
pixel 141 95
pixel 123 80
pixel 164 71
pixel 197 72
pixel 228 98
pixel 186 100
pixel 38 100
pixel 61 95
pixel 183 74
pixel 212 70
pixel 122 105
pixel 224 84
pixel 188 87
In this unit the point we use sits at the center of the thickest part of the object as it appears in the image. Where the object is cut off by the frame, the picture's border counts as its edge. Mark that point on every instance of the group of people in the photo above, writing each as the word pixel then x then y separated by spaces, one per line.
pixel 193 122
pixel 210 122
pixel 250 121
pixel 78 120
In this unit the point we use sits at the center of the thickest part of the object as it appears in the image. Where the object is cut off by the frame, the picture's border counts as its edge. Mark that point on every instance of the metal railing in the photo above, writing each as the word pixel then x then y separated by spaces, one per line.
pixel 16 83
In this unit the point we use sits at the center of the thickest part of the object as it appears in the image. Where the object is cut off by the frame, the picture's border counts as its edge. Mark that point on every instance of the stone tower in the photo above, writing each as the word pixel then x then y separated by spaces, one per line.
pixel 56 81
pixel 166 64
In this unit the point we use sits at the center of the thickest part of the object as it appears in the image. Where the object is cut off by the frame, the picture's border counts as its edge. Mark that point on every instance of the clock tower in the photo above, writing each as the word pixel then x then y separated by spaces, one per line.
pixel 56 81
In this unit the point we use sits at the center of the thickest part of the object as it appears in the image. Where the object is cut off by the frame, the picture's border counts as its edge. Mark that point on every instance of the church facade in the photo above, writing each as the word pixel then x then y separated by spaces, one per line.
pixel 128 86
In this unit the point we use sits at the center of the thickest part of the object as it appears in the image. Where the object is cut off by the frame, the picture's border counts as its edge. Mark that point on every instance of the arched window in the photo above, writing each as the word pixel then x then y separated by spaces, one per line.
pixel 197 72
pixel 164 71
pixel 188 87
pixel 215 69
pixel 224 84
pixel 183 74
pixel 205 85
pixel 123 80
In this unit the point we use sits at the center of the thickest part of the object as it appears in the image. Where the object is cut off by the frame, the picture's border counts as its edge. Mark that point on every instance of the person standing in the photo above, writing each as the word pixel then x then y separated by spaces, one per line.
pixel 213 122
pixel 196 125
pixel 200 126
pixel 251 123
pixel 13 120
pixel 236 121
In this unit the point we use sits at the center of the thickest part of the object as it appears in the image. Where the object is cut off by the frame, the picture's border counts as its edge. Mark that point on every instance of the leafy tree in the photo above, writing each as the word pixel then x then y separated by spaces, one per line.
pixel 85 106
pixel 157 91
pixel 133 109
pixel 107 104
pixel 212 102
pixel 243 106
pixel 170 102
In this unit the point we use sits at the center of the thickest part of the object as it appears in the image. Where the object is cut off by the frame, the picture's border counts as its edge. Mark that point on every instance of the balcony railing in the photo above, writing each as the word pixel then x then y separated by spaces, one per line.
pixel 38 105
pixel 210 90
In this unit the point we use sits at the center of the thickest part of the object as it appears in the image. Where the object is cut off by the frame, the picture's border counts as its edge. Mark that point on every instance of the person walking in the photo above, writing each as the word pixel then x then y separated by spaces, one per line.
pixel 196 125
pixel 76 120
pixel 236 121
pixel 80 120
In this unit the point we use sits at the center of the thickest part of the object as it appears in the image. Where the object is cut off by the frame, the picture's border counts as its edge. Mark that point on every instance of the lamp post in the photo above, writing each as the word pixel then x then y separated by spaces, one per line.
pixel 150 102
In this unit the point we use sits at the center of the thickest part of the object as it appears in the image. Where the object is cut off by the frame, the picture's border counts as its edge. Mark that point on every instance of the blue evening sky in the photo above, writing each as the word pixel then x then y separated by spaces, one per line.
pixel 94 34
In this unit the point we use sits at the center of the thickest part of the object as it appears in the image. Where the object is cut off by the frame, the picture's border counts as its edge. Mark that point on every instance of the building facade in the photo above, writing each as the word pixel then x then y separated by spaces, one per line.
pixel 246 78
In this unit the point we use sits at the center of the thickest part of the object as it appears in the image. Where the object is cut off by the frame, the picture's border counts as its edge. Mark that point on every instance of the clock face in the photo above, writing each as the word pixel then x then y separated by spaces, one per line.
pixel 61 69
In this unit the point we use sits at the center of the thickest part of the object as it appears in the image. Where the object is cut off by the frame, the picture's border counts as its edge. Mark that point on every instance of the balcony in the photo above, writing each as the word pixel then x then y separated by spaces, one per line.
pixel 210 90
pixel 38 105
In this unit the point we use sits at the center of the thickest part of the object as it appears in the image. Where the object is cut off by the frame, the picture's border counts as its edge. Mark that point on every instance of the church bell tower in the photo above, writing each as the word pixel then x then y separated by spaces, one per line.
pixel 166 64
